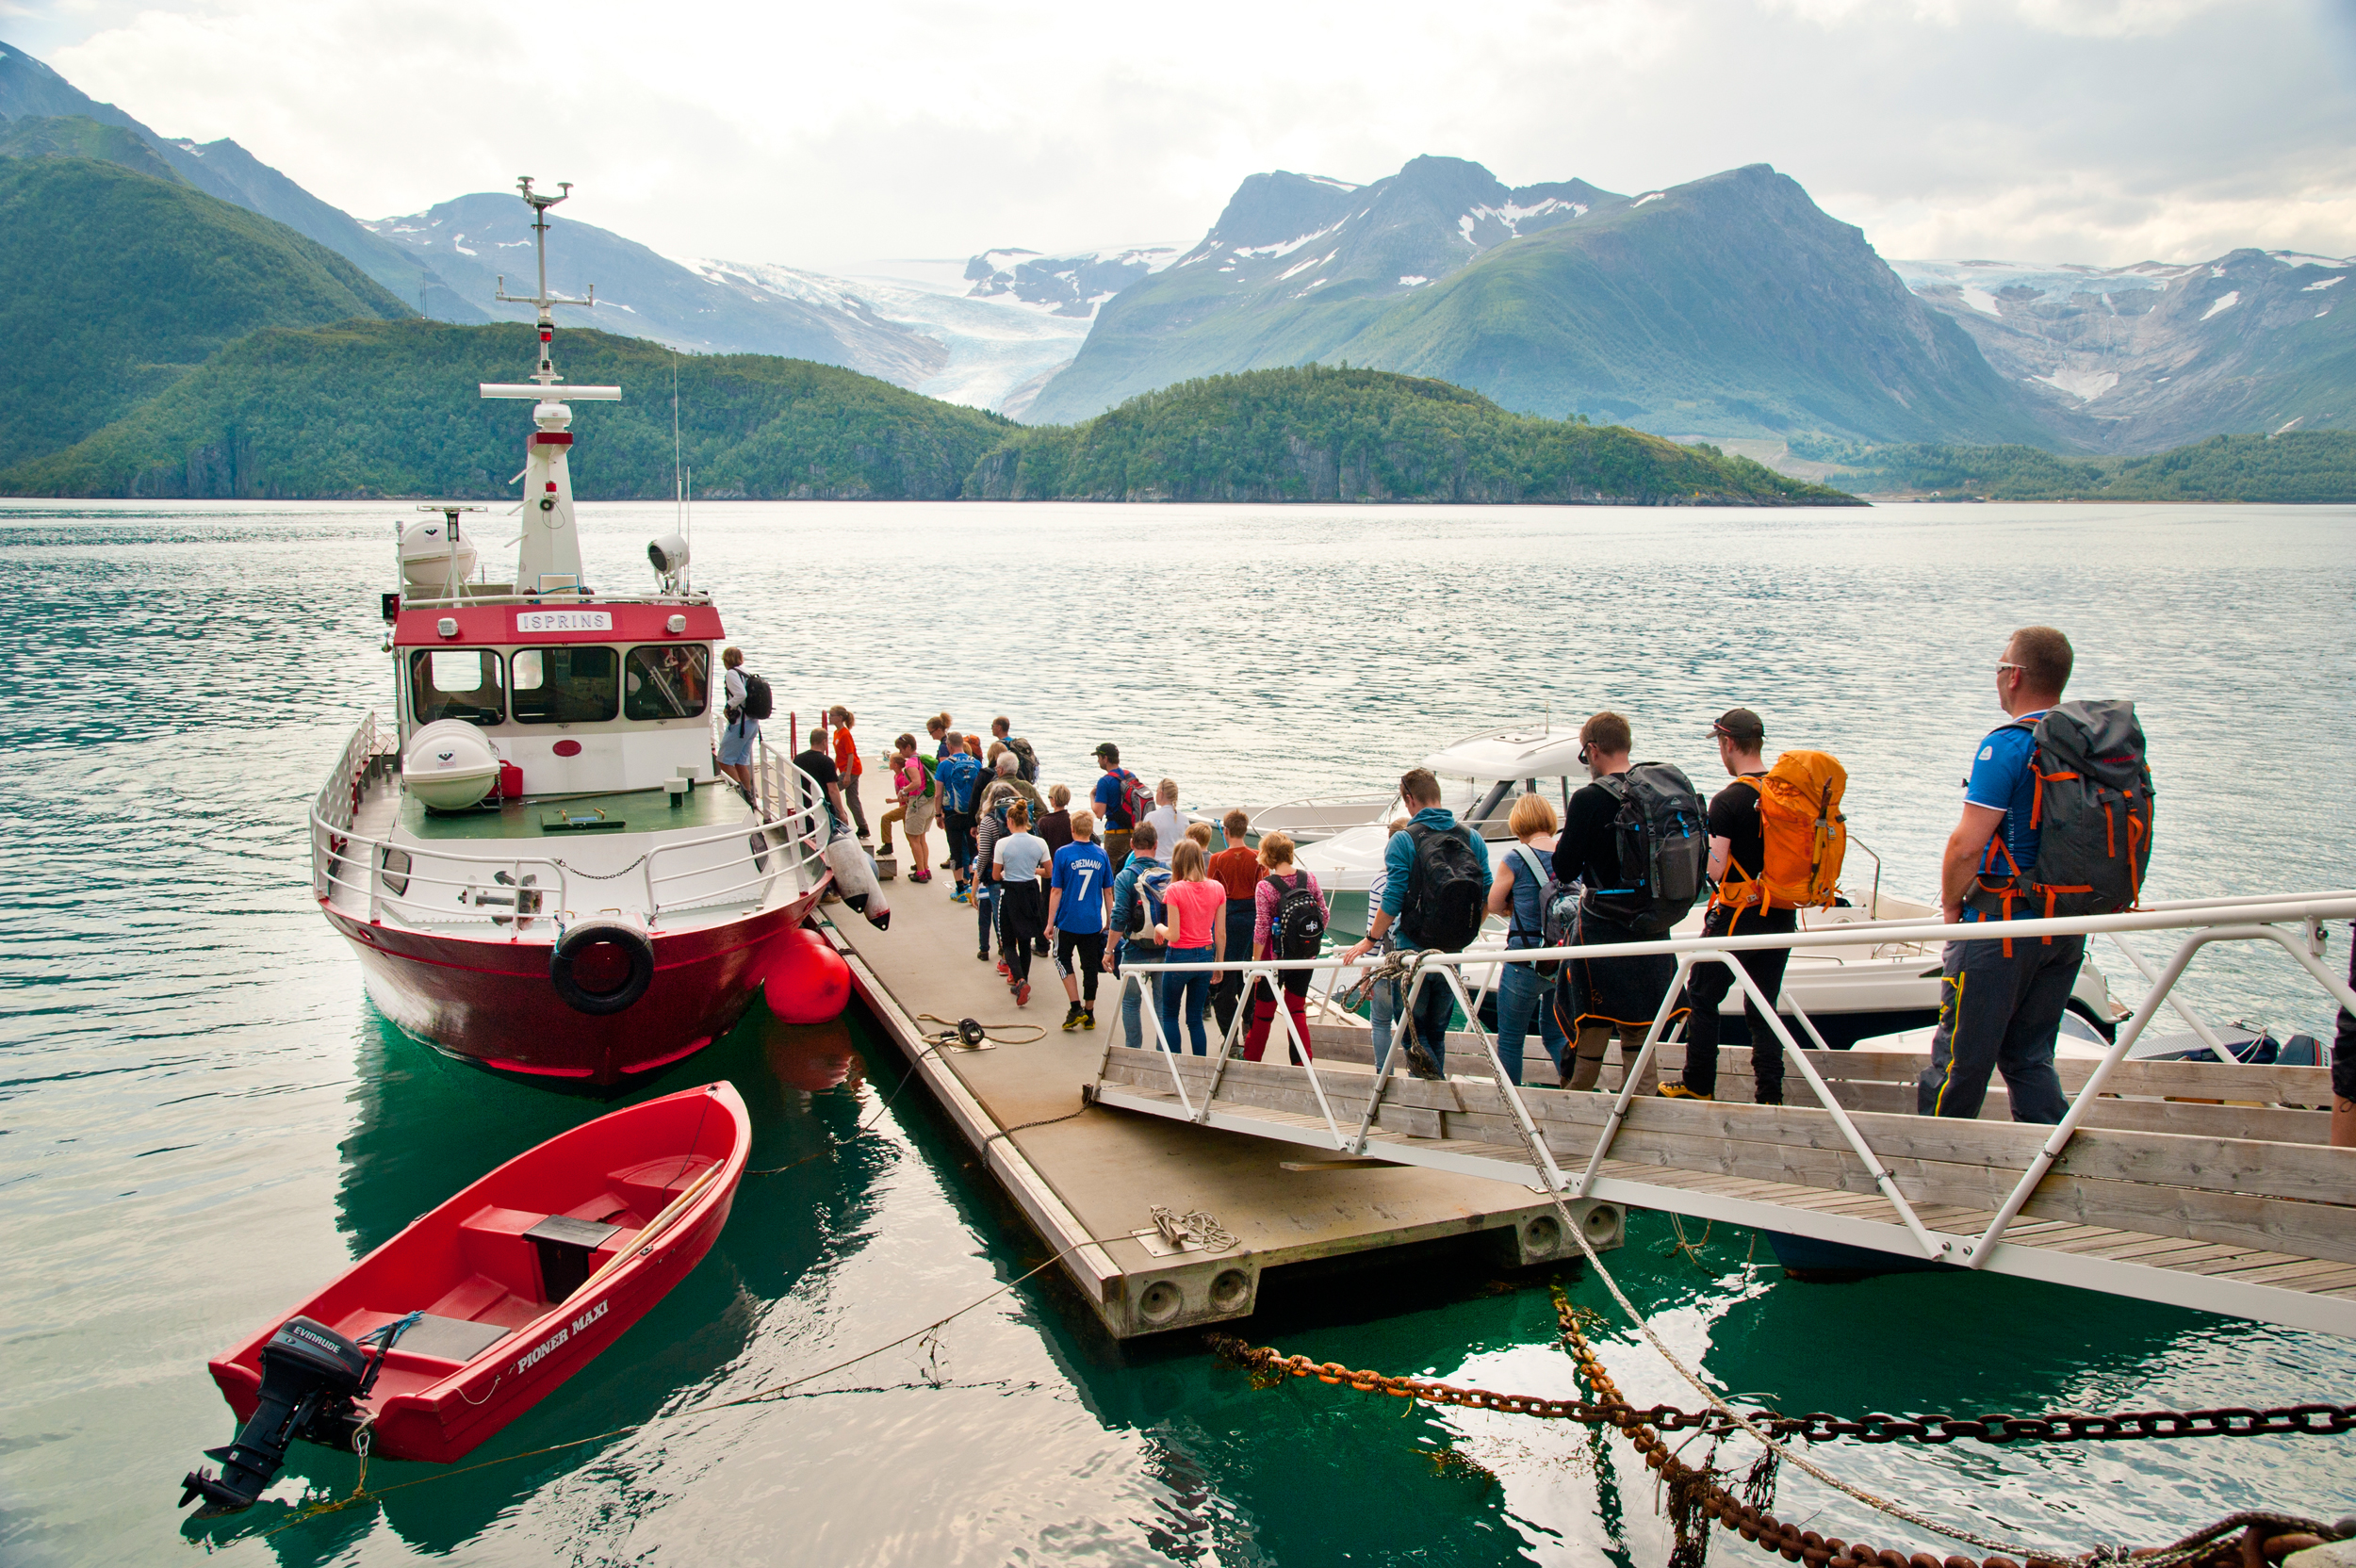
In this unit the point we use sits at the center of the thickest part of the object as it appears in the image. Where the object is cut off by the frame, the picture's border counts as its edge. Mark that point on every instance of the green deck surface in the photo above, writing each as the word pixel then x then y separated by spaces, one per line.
pixel 710 804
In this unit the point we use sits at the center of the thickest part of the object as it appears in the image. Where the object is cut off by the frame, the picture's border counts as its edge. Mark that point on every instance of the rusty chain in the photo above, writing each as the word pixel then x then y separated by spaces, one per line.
pixel 2310 1420
pixel 2241 1540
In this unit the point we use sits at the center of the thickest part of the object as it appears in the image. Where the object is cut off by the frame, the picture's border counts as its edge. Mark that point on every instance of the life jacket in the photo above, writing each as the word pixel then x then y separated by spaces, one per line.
pixel 1803 833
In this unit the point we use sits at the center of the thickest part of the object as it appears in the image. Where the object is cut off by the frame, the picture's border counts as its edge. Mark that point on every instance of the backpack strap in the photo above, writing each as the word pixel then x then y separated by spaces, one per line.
pixel 1539 876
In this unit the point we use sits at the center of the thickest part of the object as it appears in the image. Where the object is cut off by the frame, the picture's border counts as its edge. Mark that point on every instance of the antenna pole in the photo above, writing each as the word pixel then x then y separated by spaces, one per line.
pixel 540 202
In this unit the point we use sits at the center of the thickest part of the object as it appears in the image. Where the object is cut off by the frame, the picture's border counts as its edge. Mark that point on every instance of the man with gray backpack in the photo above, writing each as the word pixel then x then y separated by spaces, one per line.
pixel 1637 841
pixel 2056 820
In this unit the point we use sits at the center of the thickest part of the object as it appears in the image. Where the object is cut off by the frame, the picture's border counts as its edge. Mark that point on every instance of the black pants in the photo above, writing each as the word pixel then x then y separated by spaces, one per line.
pixel 2344 1044
pixel 958 828
pixel 1087 948
pixel 1705 986
pixel 1227 995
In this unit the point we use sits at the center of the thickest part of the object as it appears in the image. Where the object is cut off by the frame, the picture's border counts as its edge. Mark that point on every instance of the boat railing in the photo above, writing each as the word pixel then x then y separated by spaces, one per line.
pixel 2294 923
pixel 788 839
pixel 497 889
pixel 558 599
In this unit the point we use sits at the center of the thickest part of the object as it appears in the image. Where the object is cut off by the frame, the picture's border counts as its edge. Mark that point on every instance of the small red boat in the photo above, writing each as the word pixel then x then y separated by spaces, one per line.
pixel 476 1311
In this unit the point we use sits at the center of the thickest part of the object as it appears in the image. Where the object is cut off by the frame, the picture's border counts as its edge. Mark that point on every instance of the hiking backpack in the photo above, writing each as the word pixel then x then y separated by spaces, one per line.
pixel 1662 835
pixel 756 703
pixel 1447 897
pixel 2092 812
pixel 1140 916
pixel 932 785
pixel 1297 929
pixel 1026 760
pixel 1557 905
pixel 1137 800
pixel 1804 834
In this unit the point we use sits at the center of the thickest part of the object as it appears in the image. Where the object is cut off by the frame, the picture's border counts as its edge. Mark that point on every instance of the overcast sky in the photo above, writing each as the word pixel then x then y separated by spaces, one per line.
pixel 2106 131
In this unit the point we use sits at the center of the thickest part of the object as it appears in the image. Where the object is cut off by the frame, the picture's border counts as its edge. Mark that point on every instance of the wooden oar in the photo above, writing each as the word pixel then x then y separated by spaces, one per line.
pixel 660 1223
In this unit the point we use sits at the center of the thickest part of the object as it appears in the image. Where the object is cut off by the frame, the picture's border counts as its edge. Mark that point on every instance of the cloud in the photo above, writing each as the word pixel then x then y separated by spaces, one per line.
pixel 2088 130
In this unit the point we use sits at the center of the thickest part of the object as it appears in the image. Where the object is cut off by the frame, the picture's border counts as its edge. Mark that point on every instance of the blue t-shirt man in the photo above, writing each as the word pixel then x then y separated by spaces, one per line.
pixel 1082 871
pixel 959 775
pixel 2000 780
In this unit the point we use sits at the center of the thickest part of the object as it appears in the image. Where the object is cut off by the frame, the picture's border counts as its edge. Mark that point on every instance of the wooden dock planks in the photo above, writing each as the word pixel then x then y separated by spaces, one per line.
pixel 1089 1180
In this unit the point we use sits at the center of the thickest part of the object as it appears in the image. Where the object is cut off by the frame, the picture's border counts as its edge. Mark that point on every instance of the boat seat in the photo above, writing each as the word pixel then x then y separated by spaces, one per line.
pixel 653 1184
pixel 451 1339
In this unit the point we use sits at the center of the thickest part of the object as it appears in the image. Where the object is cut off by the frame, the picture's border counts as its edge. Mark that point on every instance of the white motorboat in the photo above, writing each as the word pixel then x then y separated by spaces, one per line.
pixel 1849 993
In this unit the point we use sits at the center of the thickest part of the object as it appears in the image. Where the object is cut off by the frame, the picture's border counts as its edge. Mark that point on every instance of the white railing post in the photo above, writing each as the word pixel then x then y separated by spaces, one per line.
pixel 1634 1071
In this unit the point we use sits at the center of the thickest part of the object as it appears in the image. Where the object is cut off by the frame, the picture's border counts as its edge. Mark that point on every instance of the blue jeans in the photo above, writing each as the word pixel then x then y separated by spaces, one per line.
pixel 1522 993
pixel 1382 1007
pixel 1133 1026
pixel 1435 1008
pixel 1186 996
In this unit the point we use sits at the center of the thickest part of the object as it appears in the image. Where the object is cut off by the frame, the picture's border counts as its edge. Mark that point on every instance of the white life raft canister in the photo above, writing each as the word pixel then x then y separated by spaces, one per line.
pixel 449 765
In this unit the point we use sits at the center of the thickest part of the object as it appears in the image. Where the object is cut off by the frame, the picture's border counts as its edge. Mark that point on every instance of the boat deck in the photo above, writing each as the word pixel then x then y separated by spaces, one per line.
pixel 1088 1177
pixel 706 808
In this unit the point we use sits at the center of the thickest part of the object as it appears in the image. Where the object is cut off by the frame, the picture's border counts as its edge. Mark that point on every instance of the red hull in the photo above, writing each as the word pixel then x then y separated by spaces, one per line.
pixel 468 1261
pixel 492 1001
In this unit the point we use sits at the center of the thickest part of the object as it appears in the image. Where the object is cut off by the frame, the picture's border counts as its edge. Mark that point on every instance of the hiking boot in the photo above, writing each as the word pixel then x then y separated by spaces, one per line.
pixel 864 834
pixel 1679 1091
pixel 1071 1018
pixel 885 850
pixel 1088 1018
pixel 1023 994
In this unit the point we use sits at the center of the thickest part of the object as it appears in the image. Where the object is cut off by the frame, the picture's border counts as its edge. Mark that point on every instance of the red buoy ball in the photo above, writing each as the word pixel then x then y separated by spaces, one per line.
pixel 804 979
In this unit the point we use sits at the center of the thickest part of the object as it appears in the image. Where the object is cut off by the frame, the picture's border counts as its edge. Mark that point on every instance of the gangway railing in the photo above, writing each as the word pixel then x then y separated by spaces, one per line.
pixel 2293 922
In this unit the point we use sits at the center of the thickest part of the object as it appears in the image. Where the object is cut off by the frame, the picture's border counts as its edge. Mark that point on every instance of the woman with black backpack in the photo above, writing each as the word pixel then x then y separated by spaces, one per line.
pixel 1288 922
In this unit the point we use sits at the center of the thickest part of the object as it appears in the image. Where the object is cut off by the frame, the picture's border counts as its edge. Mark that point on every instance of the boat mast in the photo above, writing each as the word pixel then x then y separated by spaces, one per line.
pixel 548 553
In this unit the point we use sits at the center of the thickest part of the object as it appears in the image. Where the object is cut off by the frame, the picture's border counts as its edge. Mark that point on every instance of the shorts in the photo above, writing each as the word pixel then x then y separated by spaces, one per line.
pixel 918 817
pixel 736 743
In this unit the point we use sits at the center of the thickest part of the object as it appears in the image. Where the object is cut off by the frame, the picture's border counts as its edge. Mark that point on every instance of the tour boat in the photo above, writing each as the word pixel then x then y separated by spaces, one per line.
pixel 479 1309
pixel 537 861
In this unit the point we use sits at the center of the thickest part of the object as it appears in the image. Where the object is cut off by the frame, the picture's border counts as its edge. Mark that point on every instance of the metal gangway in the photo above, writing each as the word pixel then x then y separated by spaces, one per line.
pixel 2200 1185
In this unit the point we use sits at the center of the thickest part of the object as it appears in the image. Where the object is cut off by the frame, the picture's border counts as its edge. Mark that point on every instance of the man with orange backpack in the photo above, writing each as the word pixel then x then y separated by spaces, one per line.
pixel 1775 844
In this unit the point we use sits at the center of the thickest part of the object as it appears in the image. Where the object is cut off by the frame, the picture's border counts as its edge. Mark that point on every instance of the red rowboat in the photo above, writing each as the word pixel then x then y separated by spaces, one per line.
pixel 479 1309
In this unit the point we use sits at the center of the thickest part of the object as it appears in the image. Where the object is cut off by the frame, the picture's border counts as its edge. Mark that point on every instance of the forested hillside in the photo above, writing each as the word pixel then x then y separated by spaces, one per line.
pixel 114 283
pixel 2302 466
pixel 385 408
pixel 1317 434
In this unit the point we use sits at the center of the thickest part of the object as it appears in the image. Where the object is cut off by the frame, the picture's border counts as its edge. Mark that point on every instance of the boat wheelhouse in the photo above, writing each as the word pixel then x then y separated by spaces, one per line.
pixel 537 860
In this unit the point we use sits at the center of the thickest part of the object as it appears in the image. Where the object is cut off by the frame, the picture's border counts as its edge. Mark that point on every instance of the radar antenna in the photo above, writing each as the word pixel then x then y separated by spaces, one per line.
pixel 541 202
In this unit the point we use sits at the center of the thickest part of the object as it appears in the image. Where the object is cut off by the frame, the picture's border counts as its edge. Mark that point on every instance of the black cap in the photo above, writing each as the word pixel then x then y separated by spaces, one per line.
pixel 1108 749
pixel 1740 725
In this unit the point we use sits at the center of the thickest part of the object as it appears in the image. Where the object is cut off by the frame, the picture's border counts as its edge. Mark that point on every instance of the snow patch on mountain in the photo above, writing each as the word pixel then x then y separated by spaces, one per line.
pixel 2226 302
pixel 1413 281
pixel 1648 196
pixel 1285 248
pixel 2085 385
pixel 2324 284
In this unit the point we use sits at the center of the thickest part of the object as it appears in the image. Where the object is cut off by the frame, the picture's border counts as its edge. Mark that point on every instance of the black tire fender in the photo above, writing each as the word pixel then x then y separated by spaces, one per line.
pixel 586 934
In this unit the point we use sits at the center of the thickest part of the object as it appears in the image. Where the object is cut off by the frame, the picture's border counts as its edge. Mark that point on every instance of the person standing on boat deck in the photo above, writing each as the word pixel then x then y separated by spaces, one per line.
pixel 1079 908
pixel 2000 1003
pixel 1434 1005
pixel 1738 854
pixel 1598 998
pixel 1170 825
pixel 848 765
pixel 1237 868
pixel 1195 932
pixel 958 778
pixel 1002 730
pixel 1280 879
pixel 736 741
pixel 1518 894
pixel 1112 809
pixel 913 793
pixel 1018 862
pixel 818 768
pixel 1144 878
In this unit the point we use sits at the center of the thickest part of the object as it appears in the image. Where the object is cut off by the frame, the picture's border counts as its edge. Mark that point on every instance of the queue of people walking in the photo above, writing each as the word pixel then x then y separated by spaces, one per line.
pixel 1128 880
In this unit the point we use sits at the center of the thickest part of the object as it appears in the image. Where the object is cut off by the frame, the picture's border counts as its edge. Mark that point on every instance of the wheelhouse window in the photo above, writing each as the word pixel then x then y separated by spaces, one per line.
pixel 666 681
pixel 572 684
pixel 456 683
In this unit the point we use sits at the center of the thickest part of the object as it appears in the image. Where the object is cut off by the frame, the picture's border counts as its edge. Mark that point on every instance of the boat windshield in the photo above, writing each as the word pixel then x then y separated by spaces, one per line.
pixel 572 684
pixel 456 683
pixel 665 681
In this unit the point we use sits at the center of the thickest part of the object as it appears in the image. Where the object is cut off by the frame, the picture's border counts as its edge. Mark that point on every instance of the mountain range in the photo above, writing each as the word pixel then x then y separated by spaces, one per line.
pixel 1728 308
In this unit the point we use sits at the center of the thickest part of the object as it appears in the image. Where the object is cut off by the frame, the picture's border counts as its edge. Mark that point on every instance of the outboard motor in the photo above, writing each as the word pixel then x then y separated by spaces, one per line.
pixel 310 1377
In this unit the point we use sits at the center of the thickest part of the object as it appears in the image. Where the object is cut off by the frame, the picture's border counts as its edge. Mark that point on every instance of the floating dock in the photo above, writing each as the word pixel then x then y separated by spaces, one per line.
pixel 1089 1180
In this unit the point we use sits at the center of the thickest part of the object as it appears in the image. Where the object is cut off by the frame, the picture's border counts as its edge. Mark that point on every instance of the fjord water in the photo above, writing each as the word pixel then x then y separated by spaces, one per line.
pixel 205 1117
